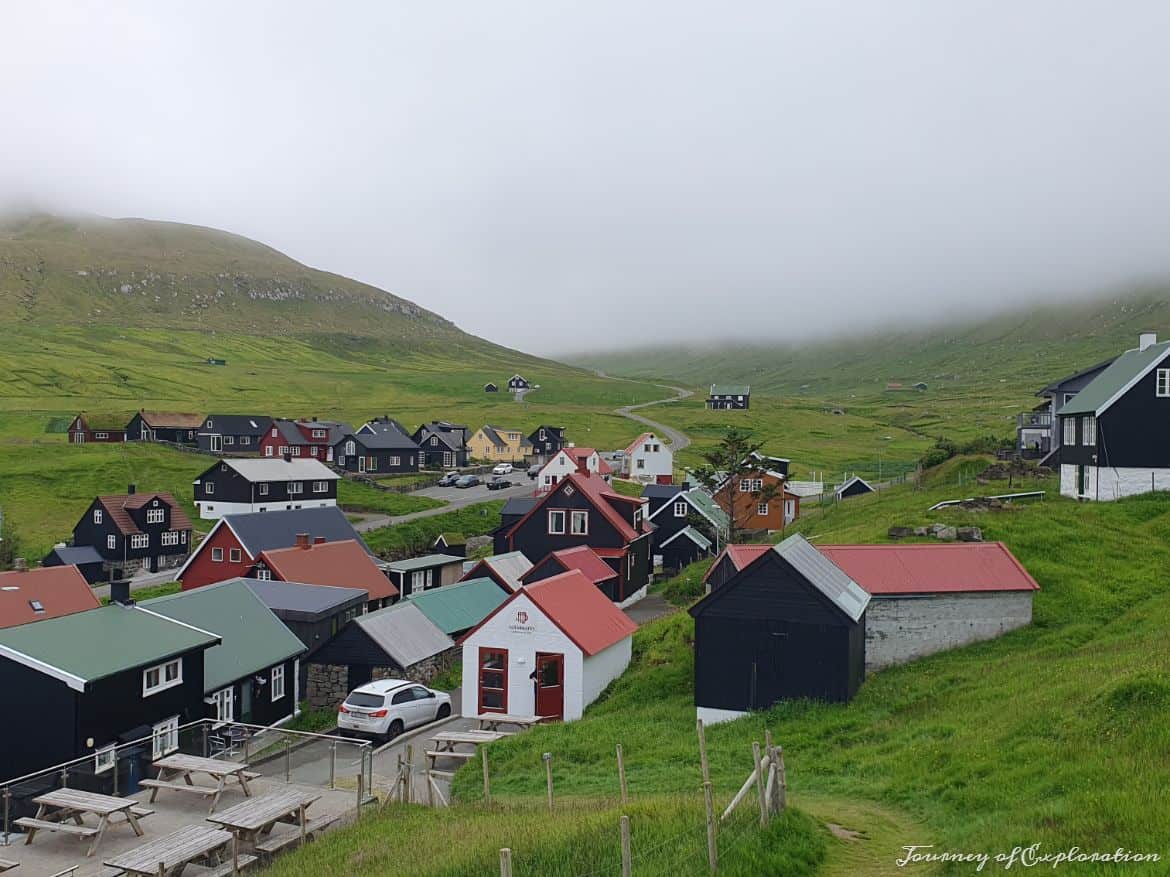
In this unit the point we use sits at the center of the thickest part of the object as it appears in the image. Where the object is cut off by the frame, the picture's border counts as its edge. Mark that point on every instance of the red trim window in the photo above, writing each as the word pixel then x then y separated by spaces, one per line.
pixel 493 680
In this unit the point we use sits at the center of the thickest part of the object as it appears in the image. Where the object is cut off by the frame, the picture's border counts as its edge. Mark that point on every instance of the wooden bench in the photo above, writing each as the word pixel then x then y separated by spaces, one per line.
pixel 243 861
pixel 6 865
pixel 290 838
pixel 155 785
pixel 67 827
pixel 432 754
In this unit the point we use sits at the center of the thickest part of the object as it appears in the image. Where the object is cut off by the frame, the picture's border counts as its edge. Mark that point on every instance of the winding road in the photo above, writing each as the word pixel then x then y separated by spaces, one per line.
pixel 678 439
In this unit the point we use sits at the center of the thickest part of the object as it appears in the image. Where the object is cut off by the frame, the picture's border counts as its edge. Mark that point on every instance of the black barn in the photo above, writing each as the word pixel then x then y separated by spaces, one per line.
pixel 789 625
pixel 855 486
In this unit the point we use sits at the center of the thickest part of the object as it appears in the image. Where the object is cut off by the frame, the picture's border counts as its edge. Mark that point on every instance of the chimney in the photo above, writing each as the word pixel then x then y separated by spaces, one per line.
pixel 318 540
pixel 302 540
pixel 120 592
pixel 1147 339
pixel 314 418
pixel 131 489
pixel 287 457
pixel 19 564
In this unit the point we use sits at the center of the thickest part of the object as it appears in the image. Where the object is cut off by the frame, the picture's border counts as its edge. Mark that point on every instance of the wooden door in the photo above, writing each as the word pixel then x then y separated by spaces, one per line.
pixel 493 680
pixel 550 685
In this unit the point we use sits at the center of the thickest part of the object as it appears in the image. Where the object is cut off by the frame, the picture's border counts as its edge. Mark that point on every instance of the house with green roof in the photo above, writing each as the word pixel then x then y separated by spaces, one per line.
pixel 253 674
pixel 88 681
pixel 729 396
pixel 457 608
pixel 1115 433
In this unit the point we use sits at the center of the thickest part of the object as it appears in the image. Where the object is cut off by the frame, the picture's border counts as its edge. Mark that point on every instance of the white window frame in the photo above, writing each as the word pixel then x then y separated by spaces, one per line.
pixel 262 488
pixel 229 440
pixel 296 487
pixel 263 575
pixel 1089 431
pixel 105 758
pixel 1162 383
pixel 421 580
pixel 236 555
pixel 169 537
pixel 582 516
pixel 680 509
pixel 156 516
pixel 224 702
pixel 216 554
pixel 209 487
pixel 165 737
pixel 394 461
pixel 563 522
pixel 165 669
pixel 1070 431
pixel 140 540
pixel 762 509
pixel 745 484
pixel 111 541
pixel 277 681
pixel 322 486
pixel 268 451
pixel 97 516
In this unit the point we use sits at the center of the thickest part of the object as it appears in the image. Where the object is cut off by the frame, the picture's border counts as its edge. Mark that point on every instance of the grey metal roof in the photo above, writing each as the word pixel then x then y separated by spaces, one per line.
pixel 279 469
pixel 294 601
pixel 77 554
pixel 824 575
pixel 510 567
pixel 662 491
pixel 518 505
pixel 730 390
pixel 1115 381
pixel 236 424
pixel 382 439
pixel 404 633
pixel 692 534
pixel 423 562
pixel 265 531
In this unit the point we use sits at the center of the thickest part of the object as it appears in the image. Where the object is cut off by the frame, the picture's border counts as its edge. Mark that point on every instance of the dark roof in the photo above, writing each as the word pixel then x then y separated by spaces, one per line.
pixel 335 430
pixel 237 424
pixel 1115 381
pixel 381 424
pixel 385 439
pixel 518 505
pixel 451 436
pixel 662 491
pixel 1056 385
pixel 76 554
pixel 266 531
pixel 289 432
pixel 296 601
pixel 119 506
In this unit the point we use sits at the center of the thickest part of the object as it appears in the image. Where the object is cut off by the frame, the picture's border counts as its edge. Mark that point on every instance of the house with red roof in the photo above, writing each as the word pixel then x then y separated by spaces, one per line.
pixel 549 650
pixel 931 597
pixel 731 560
pixel 585 510
pixel 568 460
pixel 133 531
pixel 343 564
pixel 28 595
pixel 582 558
pixel 648 459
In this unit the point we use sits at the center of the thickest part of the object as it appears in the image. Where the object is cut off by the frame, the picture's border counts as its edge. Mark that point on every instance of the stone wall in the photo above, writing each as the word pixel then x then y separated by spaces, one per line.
pixel 328 684
pixel 901 629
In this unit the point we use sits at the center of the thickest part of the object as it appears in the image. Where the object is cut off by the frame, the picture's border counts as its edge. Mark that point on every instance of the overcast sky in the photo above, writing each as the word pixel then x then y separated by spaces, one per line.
pixel 564 175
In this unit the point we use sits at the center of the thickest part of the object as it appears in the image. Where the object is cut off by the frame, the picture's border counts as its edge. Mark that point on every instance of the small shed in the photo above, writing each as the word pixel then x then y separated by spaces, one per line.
pixel 489 387
pixel 454 544
pixel 854 486
pixel 417 574
pixel 789 625
pixel 504 569
pixel 459 607
pixel 684 548
pixel 85 557
pixel 548 650
pixel 731 560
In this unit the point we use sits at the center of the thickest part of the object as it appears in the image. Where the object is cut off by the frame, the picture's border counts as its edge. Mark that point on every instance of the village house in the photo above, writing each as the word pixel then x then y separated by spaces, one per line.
pixel 164 426
pixel 243 486
pixel 384 451
pixel 443 445
pixel 585 510
pixel 384 423
pixel 571 459
pixel 496 444
pixel 236 542
pixel 688 524
pixel 336 564
pixel 135 531
pixel 1034 429
pixel 28 595
pixel 313 438
pixel 855 486
pixel 729 396
pixel 1115 433
pixel 450 543
pixel 789 625
pixel 649 460
pixel 549 650
pixel 233 433
pixel 753 512
pixel 518 383
pixel 547 440
pixel 96 428
pixel 417 574
pixel 506 569
pixel 489 387
pixel 85 558
pixel 457 608
pixel 515 508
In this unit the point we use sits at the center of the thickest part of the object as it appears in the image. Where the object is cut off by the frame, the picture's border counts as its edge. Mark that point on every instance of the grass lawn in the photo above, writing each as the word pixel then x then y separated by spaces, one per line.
pixel 417 537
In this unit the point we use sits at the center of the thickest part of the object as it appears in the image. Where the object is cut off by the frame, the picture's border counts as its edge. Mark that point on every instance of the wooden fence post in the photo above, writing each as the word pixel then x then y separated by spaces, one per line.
pixel 505 862
pixel 622 775
pixel 487 782
pixel 627 862
pixel 548 778
pixel 409 773
pixel 782 780
pixel 760 783
pixel 703 751
pixel 712 843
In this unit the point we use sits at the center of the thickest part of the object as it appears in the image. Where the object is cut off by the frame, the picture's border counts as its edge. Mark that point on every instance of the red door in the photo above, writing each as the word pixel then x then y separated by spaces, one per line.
pixel 550 685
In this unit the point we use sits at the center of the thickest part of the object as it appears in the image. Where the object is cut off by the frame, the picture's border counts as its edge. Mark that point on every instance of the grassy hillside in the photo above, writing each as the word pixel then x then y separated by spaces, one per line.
pixel 1054 734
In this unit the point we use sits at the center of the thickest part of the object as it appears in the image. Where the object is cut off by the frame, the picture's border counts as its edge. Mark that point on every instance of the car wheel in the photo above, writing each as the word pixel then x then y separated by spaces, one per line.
pixel 394 730
pixel 444 711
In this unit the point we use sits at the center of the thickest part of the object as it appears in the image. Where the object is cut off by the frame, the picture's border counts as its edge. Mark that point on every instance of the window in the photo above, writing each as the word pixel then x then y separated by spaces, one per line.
pixel 166 737
pixel 156 516
pixel 263 488
pixel 579 523
pixel 296 450
pixel 421 580
pixel 318 433
pixel 745 485
pixel 209 487
pixel 104 759
pixel 351 448
pixel 757 485
pixel 101 435
pixel 183 536
pixel 543 435
pixel 1070 431
pixel 434 440
pixel 268 451
pixel 448 459
pixel 296 487
pixel 1089 431
pixel 372 464
pixel 245 440
pixel 140 540
pixel 229 440
pixel 223 701
pixel 111 542
pixel 637 519
pixel 275 433
pixel 1163 383
pixel 762 509
pixel 323 486
pixel 235 555
pixel 394 461
pixel 278 682
pixel 556 523
pixel 263 575
pixel 493 680
pixel 97 516
pixel 680 509
pixel 170 537
pixel 217 555
pixel 162 676
pixel 37 606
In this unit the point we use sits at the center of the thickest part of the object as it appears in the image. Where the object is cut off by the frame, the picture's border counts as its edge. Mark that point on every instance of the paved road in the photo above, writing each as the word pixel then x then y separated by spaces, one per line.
pixel 146 580
pixel 455 498
pixel 678 440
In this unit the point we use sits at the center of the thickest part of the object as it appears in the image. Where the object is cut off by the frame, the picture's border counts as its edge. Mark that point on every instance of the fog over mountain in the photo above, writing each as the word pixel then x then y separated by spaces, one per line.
pixel 563 176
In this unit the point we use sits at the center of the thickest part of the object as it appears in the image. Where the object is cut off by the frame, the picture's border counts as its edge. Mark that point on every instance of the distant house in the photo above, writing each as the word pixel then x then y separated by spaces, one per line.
pixel 583 559
pixel 729 396
pixel 242 486
pixel 85 558
pixel 687 526
pixel 332 564
pixel 164 426
pixel 384 451
pixel 585 510
pixel 312 612
pixel 314 438
pixel 518 383
pixel 790 625
pixel 252 675
pixel 1034 429
pixel 95 679
pixel 96 428
pixel 753 513
pixel 547 440
pixel 38 594
pixel 235 543
pixel 443 445
pixel 133 531
pixel 451 543
pixel 417 574
pixel 568 460
pixel 496 444
pixel 649 460
pixel 489 387
pixel 385 423
pixel 920 386
pixel 1115 433
pixel 548 650
pixel 506 570
pixel 855 486
pixel 233 433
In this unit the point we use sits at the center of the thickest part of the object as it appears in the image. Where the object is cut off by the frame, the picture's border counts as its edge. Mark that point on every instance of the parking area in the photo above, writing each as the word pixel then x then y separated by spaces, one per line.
pixel 522 485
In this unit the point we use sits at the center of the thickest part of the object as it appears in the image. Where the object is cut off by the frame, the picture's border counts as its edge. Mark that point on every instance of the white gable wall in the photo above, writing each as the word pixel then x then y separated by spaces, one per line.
pixel 555 469
pixel 644 465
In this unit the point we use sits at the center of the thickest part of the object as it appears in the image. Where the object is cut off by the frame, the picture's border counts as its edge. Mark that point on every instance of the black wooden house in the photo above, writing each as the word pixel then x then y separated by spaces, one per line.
pixel 381 451
pixel 442 445
pixel 232 433
pixel 133 531
pixel 547 440
pixel 179 428
pixel 789 625
pixel 245 485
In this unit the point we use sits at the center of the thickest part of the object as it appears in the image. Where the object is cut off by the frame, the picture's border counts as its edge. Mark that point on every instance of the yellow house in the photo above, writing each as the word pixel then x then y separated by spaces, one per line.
pixel 499 445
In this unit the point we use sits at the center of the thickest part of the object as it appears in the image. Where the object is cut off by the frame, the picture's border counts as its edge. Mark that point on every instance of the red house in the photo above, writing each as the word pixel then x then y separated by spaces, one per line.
pixel 337 564
pixel 303 438
pixel 85 428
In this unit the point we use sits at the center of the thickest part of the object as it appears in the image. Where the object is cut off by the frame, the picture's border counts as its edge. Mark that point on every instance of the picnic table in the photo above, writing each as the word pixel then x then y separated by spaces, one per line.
pixel 170 854
pixel 177 767
pixel 257 817
pixel 63 809
pixel 445 741
pixel 492 721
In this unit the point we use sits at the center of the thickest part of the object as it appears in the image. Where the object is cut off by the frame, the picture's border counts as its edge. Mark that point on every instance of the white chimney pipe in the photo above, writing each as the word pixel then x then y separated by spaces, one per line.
pixel 1147 339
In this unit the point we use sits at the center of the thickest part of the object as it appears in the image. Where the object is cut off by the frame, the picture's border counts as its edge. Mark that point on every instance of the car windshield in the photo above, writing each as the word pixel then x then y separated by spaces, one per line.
pixel 360 698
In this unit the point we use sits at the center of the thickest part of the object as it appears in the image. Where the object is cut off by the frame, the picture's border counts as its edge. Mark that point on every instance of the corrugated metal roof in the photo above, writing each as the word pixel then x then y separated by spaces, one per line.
pixel 263 531
pixel 928 569
pixel 300 601
pixel 404 633
pixel 509 567
pixel 426 561
pixel 824 575
pixel 459 607
pixel 339 564
pixel 581 611
pixel 279 469
pixel 1108 386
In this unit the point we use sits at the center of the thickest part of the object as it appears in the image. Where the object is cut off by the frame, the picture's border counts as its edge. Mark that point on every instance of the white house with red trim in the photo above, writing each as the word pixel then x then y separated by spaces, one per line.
pixel 649 459
pixel 549 650
pixel 568 460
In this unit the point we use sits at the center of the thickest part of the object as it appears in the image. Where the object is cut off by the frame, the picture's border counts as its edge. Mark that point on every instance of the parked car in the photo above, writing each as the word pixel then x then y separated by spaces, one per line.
pixel 449 479
pixel 498 483
pixel 534 470
pixel 386 708
pixel 468 481
pixel 618 455
pixel 502 469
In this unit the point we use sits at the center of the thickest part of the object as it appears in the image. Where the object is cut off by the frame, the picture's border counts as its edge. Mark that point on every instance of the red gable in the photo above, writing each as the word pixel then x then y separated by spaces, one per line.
pixel 341 564
pixel 58 590
pixel 930 569
pixel 601 497
pixel 740 556
pixel 581 558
